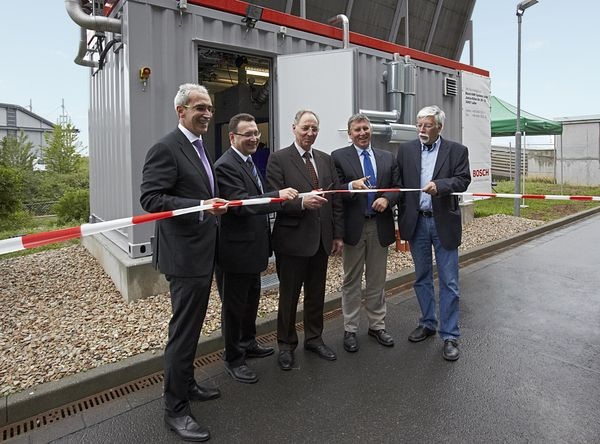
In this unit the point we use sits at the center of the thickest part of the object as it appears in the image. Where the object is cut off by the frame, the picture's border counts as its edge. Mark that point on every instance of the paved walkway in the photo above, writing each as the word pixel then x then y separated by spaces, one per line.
pixel 529 369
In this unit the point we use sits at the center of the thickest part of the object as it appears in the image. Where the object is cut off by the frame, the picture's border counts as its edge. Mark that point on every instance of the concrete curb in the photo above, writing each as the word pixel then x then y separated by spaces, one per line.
pixel 55 394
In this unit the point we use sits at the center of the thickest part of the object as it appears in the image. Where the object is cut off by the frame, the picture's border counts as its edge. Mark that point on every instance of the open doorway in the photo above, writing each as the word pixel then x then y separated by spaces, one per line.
pixel 237 83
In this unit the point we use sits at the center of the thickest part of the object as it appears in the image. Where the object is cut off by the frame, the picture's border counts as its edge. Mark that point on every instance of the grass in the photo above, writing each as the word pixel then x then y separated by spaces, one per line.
pixel 538 209
pixel 29 225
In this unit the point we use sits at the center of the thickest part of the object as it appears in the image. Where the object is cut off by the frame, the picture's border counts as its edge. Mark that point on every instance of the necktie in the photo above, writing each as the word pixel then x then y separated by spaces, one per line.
pixel 311 171
pixel 368 166
pixel 254 173
pixel 202 153
pixel 427 147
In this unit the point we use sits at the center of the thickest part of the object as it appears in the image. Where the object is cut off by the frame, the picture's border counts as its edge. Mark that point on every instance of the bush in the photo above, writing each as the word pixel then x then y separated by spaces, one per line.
pixel 73 207
pixel 10 187
pixel 17 223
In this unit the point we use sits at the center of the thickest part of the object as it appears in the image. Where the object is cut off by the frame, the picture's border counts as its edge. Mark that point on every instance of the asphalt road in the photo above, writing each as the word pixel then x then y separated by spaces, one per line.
pixel 529 369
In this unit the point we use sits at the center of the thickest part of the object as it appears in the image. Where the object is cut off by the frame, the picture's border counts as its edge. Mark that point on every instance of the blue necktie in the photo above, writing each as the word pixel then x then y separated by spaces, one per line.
pixel 254 173
pixel 368 166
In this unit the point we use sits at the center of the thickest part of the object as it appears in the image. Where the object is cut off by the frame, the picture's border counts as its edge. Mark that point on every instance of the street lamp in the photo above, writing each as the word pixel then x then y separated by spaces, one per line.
pixel 521 7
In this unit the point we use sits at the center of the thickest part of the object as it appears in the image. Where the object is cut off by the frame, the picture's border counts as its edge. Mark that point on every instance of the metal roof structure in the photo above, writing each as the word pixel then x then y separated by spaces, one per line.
pixel 438 27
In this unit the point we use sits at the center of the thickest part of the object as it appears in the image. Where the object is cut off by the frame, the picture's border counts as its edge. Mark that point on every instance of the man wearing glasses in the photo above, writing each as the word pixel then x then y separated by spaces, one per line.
pixel 431 218
pixel 244 247
pixel 306 232
pixel 178 173
pixel 369 230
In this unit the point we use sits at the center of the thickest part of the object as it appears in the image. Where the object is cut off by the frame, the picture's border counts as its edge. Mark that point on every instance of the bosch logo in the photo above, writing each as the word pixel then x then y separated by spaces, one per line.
pixel 482 172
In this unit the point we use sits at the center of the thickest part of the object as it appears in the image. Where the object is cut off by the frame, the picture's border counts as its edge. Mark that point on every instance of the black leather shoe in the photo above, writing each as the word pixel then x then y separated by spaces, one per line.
pixel 187 428
pixel 258 351
pixel 420 334
pixel 450 351
pixel 242 373
pixel 383 337
pixel 286 360
pixel 322 350
pixel 350 342
pixel 203 393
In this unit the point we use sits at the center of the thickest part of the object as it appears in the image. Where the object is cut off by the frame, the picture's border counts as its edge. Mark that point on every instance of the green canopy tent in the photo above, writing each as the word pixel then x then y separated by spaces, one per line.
pixel 504 121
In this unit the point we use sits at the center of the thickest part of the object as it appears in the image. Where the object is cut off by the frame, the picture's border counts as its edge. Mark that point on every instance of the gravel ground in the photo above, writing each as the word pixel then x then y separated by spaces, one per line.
pixel 63 315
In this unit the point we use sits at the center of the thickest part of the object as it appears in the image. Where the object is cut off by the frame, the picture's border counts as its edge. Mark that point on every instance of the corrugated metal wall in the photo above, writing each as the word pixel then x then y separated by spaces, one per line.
pixel 125 120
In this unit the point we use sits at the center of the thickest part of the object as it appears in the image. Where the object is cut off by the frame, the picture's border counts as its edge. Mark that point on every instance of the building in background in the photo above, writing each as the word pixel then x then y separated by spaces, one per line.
pixel 578 151
pixel 15 118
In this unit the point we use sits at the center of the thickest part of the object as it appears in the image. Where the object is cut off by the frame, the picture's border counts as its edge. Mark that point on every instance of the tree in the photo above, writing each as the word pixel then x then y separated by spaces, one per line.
pixel 16 152
pixel 60 154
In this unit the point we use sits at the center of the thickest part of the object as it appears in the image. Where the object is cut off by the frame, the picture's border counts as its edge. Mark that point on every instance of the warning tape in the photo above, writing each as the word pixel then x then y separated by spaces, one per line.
pixel 38 239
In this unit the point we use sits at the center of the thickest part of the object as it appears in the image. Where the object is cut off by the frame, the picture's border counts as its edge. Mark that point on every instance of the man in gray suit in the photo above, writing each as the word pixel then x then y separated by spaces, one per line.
pixel 178 173
pixel 439 167
pixel 305 233
pixel 369 229
pixel 244 247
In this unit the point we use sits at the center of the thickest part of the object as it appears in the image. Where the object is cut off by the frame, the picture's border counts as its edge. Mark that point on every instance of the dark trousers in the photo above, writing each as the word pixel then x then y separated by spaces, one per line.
pixel 240 295
pixel 189 301
pixel 293 271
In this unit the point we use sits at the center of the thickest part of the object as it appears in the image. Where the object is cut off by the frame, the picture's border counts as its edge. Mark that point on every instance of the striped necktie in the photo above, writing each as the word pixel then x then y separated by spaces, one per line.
pixel 254 173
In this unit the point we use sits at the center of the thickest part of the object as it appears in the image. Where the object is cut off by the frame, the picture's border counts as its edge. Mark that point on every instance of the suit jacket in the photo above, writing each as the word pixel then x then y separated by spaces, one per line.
pixel 299 232
pixel 245 232
pixel 451 174
pixel 173 178
pixel 349 168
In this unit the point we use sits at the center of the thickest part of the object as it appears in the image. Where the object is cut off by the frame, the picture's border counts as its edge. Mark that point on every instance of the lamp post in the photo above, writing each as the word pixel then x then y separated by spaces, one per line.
pixel 521 7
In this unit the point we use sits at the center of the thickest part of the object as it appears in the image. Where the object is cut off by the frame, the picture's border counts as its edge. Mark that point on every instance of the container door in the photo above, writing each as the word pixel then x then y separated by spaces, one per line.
pixel 324 82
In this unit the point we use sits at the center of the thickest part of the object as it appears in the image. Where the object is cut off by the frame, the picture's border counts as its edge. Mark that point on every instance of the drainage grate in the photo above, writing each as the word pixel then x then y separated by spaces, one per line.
pixel 52 416
pixel 66 411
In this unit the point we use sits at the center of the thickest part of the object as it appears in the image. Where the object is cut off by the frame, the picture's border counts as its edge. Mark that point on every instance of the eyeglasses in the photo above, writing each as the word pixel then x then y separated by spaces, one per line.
pixel 249 135
pixel 201 108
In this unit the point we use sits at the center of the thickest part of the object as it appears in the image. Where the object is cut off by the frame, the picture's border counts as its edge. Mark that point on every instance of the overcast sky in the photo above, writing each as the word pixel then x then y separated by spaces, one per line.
pixel 560 63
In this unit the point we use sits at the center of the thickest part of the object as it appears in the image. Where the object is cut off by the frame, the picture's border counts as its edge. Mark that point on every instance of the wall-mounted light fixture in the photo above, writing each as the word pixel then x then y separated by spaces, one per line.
pixel 253 15
pixel 145 72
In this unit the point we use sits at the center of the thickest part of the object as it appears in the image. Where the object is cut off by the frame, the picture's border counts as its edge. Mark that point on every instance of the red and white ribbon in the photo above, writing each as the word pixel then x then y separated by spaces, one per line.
pixel 532 196
pixel 49 237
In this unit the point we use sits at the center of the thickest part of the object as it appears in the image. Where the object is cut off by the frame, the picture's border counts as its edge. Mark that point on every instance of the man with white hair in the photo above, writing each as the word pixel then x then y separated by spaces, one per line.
pixel 178 173
pixel 431 217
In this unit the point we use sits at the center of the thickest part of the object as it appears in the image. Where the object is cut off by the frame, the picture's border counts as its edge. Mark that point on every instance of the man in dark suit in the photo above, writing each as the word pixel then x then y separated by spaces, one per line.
pixel 305 233
pixel 369 229
pixel 244 247
pixel 439 167
pixel 178 173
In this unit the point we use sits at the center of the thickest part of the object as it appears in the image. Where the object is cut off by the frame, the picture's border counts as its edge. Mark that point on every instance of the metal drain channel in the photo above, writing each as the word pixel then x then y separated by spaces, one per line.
pixel 66 411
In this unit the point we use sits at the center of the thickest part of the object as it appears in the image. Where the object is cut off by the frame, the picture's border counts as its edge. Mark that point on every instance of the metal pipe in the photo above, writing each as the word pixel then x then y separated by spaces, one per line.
pixel 93 22
pixel 395 132
pixel 303 8
pixel 82 51
pixel 381 116
pixel 345 27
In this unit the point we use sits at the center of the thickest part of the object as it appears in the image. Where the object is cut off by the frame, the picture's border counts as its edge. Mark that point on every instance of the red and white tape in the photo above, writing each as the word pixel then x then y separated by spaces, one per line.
pixel 38 239
pixel 49 237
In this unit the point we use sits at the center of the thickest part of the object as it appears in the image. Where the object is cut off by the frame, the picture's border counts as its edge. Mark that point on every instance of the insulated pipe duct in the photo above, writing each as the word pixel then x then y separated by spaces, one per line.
pixel 345 27
pixel 409 98
pixel 395 132
pixel 93 22
pixel 82 51
pixel 381 116
pixel 394 78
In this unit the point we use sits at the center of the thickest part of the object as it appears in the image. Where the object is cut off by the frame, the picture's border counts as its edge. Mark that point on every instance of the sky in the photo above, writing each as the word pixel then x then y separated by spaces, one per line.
pixel 560 63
